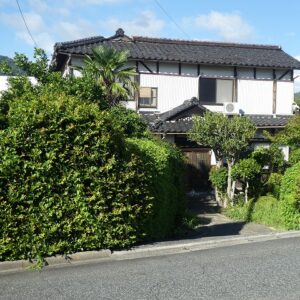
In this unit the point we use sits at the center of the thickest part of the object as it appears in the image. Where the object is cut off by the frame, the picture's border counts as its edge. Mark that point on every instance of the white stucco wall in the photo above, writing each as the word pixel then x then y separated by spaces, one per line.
pixel 255 96
pixel 171 90
pixel 285 97
pixel 4 82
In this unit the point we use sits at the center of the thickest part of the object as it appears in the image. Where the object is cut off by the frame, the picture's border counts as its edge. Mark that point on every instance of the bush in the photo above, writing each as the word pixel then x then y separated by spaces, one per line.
pixel 165 166
pixel 295 156
pixel 218 178
pixel 274 184
pixel 289 197
pixel 267 211
pixel 239 211
pixel 131 123
pixel 70 181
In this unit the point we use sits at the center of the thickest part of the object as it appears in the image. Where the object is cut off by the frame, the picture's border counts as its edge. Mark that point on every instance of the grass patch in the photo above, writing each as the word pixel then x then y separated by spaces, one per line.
pixel 265 210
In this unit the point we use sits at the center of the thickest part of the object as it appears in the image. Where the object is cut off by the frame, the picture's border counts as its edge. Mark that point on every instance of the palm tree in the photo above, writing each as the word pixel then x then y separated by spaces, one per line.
pixel 109 67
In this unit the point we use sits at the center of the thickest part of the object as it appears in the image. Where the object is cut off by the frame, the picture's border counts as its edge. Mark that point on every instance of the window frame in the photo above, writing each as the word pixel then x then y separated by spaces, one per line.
pixel 152 98
pixel 215 101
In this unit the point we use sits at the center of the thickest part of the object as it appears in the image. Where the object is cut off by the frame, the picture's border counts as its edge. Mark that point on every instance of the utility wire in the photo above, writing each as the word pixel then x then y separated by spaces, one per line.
pixel 172 20
pixel 20 10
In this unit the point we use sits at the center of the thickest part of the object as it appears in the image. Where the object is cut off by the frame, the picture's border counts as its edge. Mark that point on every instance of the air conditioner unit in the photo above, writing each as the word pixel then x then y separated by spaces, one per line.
pixel 230 108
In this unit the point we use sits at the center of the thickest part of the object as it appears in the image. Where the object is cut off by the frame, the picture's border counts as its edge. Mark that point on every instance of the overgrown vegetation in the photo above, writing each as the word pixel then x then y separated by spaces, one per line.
pixel 77 174
pixel 228 137
pixel 277 202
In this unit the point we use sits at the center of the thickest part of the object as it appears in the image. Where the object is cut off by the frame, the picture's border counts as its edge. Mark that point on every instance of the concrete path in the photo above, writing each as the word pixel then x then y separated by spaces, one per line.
pixel 216 224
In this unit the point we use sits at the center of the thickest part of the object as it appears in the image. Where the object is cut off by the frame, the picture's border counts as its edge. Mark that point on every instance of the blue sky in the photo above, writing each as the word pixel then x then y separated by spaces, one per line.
pixel 50 21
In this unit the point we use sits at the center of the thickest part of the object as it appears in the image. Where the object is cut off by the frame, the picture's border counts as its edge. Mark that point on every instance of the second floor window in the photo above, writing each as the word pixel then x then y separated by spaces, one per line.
pixel 215 91
pixel 148 97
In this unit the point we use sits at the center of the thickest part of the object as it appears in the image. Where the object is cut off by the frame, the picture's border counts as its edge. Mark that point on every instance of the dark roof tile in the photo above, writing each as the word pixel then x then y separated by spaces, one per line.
pixel 160 49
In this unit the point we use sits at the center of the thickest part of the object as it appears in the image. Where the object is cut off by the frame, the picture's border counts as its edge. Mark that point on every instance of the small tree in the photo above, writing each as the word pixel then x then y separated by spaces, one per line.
pixel 109 68
pixel 227 136
pixel 246 170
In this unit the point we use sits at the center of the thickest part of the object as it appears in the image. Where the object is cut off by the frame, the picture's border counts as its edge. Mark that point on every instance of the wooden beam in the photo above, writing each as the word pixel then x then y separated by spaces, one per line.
pixel 274 74
pixel 254 73
pixel 136 66
pixel 157 67
pixel 235 72
pixel 292 75
pixel 146 67
pixel 274 96
pixel 198 70
pixel 285 73
pixel 179 68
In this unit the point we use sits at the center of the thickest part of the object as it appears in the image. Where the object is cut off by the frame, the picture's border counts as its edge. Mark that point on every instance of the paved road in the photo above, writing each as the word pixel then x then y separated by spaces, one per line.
pixel 264 270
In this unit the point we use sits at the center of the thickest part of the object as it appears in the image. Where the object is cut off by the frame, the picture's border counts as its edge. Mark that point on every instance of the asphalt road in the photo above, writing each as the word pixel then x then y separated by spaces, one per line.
pixel 264 270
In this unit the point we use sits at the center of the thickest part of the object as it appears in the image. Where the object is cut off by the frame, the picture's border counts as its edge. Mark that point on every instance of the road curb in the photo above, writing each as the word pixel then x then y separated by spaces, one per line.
pixel 145 251
pixel 155 250
pixel 55 260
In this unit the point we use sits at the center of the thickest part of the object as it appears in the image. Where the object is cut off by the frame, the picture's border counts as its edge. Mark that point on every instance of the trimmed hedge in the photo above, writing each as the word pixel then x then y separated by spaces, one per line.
pixel 165 165
pixel 290 197
pixel 69 181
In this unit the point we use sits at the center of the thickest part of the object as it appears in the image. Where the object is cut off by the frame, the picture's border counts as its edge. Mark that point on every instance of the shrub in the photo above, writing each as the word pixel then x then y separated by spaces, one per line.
pixel 295 156
pixel 165 166
pixel 218 178
pixel 267 211
pixel 274 184
pixel 246 170
pixel 70 181
pixel 289 197
pixel 239 211
pixel 131 123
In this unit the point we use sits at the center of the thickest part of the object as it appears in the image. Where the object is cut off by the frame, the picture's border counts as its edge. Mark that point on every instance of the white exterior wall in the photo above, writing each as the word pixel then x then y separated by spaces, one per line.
pixel 4 82
pixel 255 96
pixel 171 90
pixel 285 97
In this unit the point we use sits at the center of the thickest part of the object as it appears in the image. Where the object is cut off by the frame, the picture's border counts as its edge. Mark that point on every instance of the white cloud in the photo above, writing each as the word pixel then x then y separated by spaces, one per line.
pixel 229 26
pixel 33 20
pixel 146 23
pixel 39 5
pixel 71 31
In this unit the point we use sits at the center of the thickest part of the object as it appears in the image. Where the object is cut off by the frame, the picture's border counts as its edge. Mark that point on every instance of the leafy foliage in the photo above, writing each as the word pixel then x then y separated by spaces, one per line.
pixel 165 167
pixel 246 169
pixel 71 182
pixel 109 69
pixel 271 157
pixel 227 136
pixel 291 133
pixel 297 98
pixel 8 66
pixel 274 184
pixel 131 123
pixel 289 197
pixel 218 178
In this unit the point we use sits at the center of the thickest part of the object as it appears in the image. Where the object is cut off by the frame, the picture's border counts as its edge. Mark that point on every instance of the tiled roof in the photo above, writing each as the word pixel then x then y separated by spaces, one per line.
pixel 178 120
pixel 199 52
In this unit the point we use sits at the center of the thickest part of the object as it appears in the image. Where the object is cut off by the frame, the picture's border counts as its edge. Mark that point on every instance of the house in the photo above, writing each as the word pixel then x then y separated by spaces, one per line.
pixel 179 78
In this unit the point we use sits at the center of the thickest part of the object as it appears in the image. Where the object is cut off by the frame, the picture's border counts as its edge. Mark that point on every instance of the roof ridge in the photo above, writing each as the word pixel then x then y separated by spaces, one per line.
pixel 78 42
pixel 204 43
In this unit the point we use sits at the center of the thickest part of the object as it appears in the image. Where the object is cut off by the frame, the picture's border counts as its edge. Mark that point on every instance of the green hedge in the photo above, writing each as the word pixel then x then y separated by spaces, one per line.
pixel 69 181
pixel 165 165
pixel 290 197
